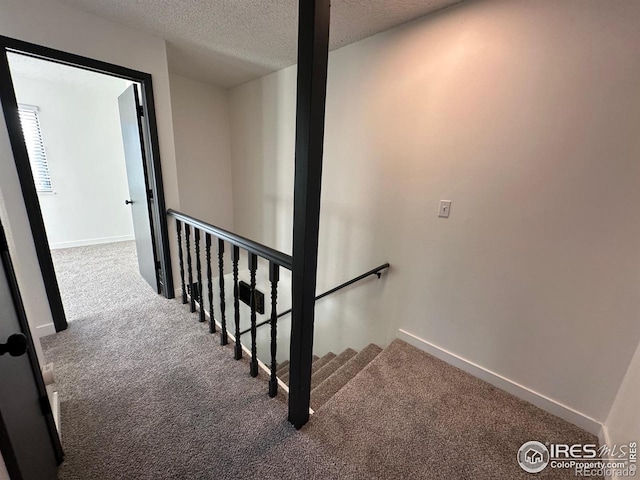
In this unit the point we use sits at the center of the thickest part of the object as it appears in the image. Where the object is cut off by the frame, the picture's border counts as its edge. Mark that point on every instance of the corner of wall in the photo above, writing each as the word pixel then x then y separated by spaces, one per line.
pixel 622 424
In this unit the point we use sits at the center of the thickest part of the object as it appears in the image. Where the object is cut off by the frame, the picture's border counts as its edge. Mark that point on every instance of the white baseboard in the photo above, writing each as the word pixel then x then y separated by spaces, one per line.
pixel 603 436
pixel 46 329
pixel 539 400
pixel 604 439
pixel 56 412
pixel 54 400
pixel 91 241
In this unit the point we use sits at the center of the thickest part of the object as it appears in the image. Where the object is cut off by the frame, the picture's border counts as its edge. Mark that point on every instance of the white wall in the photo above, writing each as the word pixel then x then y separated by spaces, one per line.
pixel 80 124
pixel 202 139
pixel 623 422
pixel 525 115
pixel 55 25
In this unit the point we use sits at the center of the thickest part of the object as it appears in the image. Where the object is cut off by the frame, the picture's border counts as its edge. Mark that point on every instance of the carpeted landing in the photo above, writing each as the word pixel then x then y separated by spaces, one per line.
pixel 97 278
pixel 148 393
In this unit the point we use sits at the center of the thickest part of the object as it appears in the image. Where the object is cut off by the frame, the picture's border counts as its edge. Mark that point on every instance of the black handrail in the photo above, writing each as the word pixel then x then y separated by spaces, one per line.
pixel 375 271
pixel 259 249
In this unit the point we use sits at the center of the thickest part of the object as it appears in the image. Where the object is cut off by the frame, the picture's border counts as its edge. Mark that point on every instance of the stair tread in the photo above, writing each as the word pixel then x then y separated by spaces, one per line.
pixel 323 373
pixel 322 361
pixel 282 367
pixel 315 366
pixel 284 370
pixel 341 376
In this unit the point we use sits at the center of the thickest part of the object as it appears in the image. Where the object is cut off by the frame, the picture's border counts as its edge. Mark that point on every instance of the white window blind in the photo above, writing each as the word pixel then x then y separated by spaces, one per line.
pixel 35 146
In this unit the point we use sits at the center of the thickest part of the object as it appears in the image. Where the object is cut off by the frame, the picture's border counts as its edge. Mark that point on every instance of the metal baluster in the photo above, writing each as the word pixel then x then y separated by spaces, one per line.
pixel 187 232
pixel 223 321
pixel 199 270
pixel 235 256
pixel 212 320
pixel 180 257
pixel 253 266
pixel 274 276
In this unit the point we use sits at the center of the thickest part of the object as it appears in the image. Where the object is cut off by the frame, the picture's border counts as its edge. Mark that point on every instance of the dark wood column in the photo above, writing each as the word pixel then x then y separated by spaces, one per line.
pixel 313 50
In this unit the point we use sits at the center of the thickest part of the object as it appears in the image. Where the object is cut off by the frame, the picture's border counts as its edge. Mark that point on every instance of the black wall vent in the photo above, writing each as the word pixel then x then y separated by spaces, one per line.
pixel 245 296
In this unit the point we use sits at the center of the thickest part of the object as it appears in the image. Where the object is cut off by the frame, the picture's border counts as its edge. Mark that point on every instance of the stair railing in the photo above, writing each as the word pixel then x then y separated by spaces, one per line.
pixel 194 296
pixel 190 234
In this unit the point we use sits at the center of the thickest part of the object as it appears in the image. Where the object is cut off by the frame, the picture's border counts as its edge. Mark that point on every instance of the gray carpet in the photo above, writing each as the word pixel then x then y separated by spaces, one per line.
pixel 148 393
pixel 98 278
pixel 410 415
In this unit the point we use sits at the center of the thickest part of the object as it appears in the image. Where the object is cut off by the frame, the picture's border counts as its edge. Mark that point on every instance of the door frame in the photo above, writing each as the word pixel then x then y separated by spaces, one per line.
pixel 10 107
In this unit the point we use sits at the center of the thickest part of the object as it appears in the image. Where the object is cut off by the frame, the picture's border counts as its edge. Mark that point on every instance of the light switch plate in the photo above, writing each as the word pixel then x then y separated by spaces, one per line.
pixel 445 208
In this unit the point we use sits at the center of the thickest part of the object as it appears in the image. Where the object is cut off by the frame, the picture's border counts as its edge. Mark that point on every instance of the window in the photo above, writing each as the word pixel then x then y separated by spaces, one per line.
pixel 35 146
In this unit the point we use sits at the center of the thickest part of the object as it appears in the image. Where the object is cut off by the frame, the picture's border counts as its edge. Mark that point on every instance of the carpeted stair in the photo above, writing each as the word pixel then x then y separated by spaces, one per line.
pixel 317 363
pixel 331 372
pixel 282 367
pixel 329 387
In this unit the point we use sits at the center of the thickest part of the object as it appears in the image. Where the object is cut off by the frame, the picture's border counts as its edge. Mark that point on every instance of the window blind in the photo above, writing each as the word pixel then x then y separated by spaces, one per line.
pixel 35 147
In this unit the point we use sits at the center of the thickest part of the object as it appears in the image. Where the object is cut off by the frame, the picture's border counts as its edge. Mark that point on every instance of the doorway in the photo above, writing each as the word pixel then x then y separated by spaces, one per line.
pixel 73 123
pixel 144 175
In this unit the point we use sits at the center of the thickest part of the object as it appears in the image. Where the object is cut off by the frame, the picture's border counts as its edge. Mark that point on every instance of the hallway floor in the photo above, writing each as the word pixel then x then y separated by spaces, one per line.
pixel 97 278
pixel 147 393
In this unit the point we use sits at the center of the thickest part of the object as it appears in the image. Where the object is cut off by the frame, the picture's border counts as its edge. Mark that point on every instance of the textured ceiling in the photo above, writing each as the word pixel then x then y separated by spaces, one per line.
pixel 32 68
pixel 229 42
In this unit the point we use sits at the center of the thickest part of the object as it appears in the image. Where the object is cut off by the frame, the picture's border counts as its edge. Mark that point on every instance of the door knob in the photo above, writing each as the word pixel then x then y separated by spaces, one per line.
pixel 128 202
pixel 16 345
